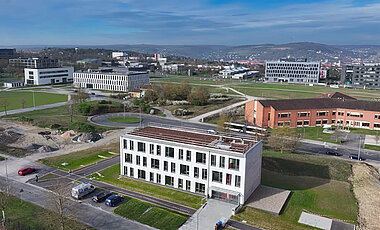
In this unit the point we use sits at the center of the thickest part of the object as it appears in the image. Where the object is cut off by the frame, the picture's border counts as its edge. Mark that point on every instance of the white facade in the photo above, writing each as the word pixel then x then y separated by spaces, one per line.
pixel 292 72
pixel 119 54
pixel 214 171
pixel 48 76
pixel 111 81
pixel 13 84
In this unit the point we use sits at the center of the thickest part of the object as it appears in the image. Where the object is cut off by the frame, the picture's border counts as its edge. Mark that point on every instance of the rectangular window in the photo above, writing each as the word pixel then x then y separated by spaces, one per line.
pixel 228 179
pixel 158 150
pixel 128 158
pixel 155 163
pixel 125 144
pixel 144 161
pixel 141 174
pixel 217 176
pixel 213 160
pixel 184 169
pixel 188 155
pixel 201 158
pixel 333 113
pixel 324 121
pixel 151 177
pixel 173 167
pixel 180 183
pixel 151 148
pixel 237 181
pixel 166 166
pixel 305 123
pixel 138 160
pixel 169 152
pixel 303 114
pixel 196 172
pixel 158 179
pixel 204 174
pixel 188 185
pixel 131 172
pixel 318 122
pixel 322 113
pixel 180 154
pixel 283 115
pixel 299 123
pixel 221 161
pixel 125 170
pixel 200 188
pixel 233 163
pixel 169 180
pixel 131 145
pixel 141 147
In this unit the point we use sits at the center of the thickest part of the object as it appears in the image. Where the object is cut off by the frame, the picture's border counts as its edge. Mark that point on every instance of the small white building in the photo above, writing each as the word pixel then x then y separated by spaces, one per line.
pixel 119 54
pixel 112 79
pixel 221 167
pixel 48 76
pixel 13 84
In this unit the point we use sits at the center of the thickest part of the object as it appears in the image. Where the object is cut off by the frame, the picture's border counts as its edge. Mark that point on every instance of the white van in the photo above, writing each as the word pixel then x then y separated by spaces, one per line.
pixel 81 190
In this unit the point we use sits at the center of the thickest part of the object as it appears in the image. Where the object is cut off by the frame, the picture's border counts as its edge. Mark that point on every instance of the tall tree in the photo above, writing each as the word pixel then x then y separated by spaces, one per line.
pixel 23 101
pixel 4 103
pixel 222 119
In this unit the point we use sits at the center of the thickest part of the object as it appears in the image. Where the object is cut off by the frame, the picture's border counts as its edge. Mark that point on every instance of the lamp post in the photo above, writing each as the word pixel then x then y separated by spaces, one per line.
pixel 201 208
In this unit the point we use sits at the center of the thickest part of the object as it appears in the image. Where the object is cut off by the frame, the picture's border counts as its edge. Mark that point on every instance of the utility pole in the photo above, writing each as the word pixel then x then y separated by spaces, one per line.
pixel 360 143
pixel 124 110
pixel 140 117
pixel 34 101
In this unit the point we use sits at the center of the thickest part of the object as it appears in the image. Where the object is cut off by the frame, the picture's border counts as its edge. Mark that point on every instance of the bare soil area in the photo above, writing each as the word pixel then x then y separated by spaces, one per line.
pixel 366 187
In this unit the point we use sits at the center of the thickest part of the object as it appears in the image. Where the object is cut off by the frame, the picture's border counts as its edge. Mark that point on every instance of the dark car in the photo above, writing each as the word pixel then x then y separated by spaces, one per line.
pixel 334 153
pixel 114 200
pixel 26 171
pixel 101 196
pixel 356 157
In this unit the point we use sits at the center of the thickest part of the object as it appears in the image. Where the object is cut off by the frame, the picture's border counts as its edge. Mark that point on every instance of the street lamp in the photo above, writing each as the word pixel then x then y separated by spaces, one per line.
pixel 201 208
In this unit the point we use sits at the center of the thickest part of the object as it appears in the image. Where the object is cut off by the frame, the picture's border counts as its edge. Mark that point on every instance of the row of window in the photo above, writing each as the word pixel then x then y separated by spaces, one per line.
pixel 323 114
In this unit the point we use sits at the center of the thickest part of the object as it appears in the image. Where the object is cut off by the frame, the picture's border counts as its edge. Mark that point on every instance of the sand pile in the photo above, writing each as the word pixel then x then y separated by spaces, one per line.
pixel 366 187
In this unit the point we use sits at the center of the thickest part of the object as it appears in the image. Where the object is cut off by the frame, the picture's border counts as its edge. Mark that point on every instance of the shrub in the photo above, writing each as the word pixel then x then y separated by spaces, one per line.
pixel 105 102
pixel 25 119
pixel 84 108
pixel 82 127
pixel 55 126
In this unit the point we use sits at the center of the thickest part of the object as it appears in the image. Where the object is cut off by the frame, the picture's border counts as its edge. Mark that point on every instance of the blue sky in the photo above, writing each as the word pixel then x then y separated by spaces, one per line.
pixel 92 22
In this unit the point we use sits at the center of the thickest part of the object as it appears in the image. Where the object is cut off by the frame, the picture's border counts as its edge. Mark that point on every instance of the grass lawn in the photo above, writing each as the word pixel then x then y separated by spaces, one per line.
pixel 365 131
pixel 111 176
pixel 125 119
pixel 31 216
pixel 372 147
pixel 319 185
pixel 316 133
pixel 150 214
pixel 76 160
pixel 57 115
pixel 14 99
pixel 2 158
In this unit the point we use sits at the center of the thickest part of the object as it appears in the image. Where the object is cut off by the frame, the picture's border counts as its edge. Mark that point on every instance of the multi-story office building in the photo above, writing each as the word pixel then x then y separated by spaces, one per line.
pixel 335 109
pixel 114 79
pixel 34 63
pixel 45 76
pixel 221 167
pixel 292 70
pixel 7 53
pixel 366 75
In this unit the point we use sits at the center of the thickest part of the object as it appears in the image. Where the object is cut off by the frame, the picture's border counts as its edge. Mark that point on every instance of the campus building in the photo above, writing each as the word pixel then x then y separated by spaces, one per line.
pixel 46 76
pixel 113 79
pixel 34 63
pixel 366 75
pixel 330 109
pixel 221 167
pixel 292 70
pixel 7 53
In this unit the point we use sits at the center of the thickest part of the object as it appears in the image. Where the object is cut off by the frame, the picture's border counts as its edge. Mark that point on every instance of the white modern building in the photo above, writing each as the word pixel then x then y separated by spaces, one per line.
pixel 119 54
pixel 292 70
pixel 221 167
pixel 13 84
pixel 47 76
pixel 113 79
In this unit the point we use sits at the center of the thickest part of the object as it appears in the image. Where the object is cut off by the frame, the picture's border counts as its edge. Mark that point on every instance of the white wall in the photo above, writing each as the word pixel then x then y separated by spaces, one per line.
pixel 252 175
pixel 45 76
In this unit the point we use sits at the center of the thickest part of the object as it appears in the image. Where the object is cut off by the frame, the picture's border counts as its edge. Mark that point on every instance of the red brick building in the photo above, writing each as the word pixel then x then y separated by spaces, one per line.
pixel 332 108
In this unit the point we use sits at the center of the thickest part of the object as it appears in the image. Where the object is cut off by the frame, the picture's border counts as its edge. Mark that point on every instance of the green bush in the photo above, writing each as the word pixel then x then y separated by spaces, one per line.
pixel 55 126
pixel 105 102
pixel 84 108
pixel 82 127
pixel 25 119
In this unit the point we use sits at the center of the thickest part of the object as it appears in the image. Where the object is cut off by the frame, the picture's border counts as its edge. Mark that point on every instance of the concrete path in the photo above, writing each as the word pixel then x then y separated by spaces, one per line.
pixel 208 215
pixel 15 111
pixel 323 222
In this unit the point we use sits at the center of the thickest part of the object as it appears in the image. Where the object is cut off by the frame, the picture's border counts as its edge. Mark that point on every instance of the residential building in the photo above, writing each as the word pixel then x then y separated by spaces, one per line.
pixel 45 76
pixel 292 70
pixel 7 53
pixel 113 79
pixel 328 109
pixel 34 63
pixel 366 75
pixel 220 167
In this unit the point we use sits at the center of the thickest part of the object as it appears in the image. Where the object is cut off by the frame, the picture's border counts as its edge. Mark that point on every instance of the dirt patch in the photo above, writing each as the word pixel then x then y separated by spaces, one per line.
pixel 366 186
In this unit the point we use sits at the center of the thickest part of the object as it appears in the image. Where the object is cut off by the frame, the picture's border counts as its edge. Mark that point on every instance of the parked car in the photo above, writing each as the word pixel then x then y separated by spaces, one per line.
pixel 114 200
pixel 101 196
pixel 211 131
pixel 333 152
pixel 81 190
pixel 356 157
pixel 25 171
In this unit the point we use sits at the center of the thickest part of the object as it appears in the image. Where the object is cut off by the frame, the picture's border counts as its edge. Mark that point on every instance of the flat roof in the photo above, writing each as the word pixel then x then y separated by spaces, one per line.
pixel 237 145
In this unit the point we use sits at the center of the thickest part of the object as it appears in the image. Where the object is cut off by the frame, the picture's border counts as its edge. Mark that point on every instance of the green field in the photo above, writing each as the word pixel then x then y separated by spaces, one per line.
pixel 2 158
pixel 316 133
pixel 319 185
pixel 79 159
pixel 125 119
pixel 31 216
pixel 111 176
pixel 14 99
pixel 372 147
pixel 365 131
pixel 149 214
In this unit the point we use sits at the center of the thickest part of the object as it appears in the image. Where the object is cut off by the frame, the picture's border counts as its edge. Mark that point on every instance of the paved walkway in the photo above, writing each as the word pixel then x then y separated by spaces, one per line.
pixel 323 222
pixel 208 215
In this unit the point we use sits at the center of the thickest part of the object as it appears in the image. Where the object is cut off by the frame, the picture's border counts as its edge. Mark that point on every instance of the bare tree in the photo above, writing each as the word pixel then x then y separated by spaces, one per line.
pixel 284 138
pixel 377 137
pixel 23 101
pixel 338 134
pixel 70 110
pixel 59 204
pixel 223 119
pixel 4 103
pixel 4 199
pixel 80 96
